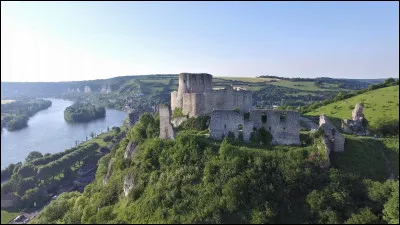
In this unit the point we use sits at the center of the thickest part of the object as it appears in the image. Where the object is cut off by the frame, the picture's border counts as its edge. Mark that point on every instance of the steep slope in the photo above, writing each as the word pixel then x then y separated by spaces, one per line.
pixel 194 179
pixel 381 105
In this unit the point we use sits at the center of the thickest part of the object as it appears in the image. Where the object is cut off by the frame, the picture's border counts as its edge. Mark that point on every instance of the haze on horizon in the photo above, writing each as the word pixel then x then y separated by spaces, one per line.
pixel 72 41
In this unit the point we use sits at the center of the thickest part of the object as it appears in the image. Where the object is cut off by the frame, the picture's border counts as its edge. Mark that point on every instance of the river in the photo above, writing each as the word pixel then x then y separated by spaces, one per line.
pixel 48 132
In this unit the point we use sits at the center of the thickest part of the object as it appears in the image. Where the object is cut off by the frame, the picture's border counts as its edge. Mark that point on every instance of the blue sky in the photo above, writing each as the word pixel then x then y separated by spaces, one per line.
pixel 60 41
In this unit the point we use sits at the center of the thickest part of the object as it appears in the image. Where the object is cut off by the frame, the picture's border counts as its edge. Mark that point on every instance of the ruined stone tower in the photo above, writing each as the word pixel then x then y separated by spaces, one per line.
pixel 195 96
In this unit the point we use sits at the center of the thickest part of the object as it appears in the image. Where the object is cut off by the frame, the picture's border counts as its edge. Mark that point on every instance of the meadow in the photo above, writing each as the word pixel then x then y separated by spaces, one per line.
pixel 379 105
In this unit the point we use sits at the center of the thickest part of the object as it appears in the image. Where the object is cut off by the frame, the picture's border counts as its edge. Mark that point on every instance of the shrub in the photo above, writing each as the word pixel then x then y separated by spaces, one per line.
pixel 107 138
pixel 178 112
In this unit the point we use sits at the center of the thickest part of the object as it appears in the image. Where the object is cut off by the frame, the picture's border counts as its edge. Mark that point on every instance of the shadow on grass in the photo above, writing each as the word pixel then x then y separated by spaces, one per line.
pixel 362 156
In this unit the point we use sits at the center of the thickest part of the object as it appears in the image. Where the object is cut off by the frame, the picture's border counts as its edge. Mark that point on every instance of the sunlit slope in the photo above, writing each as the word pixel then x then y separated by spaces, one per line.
pixel 379 105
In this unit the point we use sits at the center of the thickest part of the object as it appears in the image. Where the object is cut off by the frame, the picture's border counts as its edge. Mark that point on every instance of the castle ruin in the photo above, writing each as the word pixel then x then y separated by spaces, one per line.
pixel 196 96
pixel 228 109
pixel 284 126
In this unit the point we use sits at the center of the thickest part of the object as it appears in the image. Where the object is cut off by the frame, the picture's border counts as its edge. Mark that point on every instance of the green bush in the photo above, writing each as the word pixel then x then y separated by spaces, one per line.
pixel 199 123
pixel 108 138
pixel 261 136
pixel 178 112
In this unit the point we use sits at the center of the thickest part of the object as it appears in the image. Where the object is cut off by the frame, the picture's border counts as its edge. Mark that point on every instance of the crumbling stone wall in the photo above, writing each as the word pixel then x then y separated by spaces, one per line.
pixel 332 134
pixel 166 129
pixel 357 112
pixel 174 104
pixel 224 121
pixel 247 129
pixel 356 125
pixel 284 132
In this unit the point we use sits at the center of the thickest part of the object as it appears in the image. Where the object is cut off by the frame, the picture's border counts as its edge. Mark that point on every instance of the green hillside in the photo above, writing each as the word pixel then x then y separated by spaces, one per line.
pixel 194 179
pixel 364 156
pixel 379 105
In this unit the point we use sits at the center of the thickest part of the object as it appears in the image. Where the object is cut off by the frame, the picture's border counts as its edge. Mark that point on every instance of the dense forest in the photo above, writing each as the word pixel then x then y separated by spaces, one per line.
pixel 15 115
pixel 83 112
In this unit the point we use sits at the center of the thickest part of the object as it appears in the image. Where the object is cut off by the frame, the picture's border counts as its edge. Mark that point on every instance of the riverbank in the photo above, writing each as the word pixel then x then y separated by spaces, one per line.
pixel 81 174
pixel 48 132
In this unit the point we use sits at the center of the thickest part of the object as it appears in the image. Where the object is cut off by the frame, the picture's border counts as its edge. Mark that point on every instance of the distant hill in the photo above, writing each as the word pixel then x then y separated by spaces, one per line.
pixel 53 89
pixel 168 82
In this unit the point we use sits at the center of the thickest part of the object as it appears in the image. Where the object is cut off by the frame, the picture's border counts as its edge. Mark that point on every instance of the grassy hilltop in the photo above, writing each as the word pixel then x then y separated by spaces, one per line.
pixel 379 105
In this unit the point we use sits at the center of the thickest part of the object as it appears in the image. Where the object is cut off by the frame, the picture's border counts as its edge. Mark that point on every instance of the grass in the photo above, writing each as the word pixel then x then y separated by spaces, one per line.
pixel 362 156
pixel 247 79
pixel 99 138
pixel 299 85
pixel 305 86
pixel 7 216
pixel 392 153
pixel 380 104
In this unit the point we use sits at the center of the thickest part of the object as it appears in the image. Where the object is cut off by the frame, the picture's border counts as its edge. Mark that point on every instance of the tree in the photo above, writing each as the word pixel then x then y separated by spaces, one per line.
pixel 365 216
pixel 92 134
pixel 108 128
pixel 28 170
pixel 33 155
pixel 391 210
pixel 389 81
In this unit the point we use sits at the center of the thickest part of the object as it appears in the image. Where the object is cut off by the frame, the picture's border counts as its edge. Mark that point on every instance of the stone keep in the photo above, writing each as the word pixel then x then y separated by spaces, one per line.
pixel 195 96
pixel 332 134
pixel 166 129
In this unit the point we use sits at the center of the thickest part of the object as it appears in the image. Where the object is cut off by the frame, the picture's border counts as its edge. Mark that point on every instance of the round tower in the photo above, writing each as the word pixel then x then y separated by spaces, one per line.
pixel 195 82
pixel 192 83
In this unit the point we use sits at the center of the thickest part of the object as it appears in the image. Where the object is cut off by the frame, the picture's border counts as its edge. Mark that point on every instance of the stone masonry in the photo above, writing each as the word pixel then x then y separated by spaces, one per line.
pixel 335 138
pixel 195 96
pixel 224 121
pixel 356 125
pixel 166 129
pixel 284 126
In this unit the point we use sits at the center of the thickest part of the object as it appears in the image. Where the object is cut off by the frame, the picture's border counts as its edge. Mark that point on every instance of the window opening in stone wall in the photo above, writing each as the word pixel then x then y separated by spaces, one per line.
pixel 240 127
pixel 264 118
pixel 246 116
pixel 225 126
pixel 269 128
pixel 284 129
pixel 283 117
